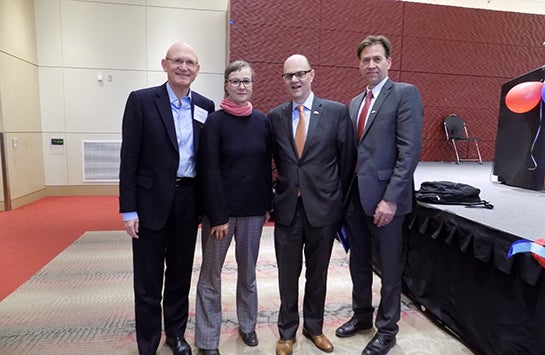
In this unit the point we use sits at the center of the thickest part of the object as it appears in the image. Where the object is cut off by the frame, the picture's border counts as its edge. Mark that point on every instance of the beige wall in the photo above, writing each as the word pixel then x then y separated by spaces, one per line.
pixel 20 120
pixel 121 42
pixel 52 54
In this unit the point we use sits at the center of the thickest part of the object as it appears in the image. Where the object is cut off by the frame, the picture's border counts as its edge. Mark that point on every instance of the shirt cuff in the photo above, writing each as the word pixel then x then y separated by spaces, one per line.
pixel 129 216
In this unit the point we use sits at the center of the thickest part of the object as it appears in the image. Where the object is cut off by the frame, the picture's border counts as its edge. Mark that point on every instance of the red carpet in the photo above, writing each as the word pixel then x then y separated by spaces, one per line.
pixel 32 235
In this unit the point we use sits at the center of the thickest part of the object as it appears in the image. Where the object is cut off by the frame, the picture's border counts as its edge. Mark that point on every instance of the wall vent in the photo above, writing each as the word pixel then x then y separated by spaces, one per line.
pixel 101 161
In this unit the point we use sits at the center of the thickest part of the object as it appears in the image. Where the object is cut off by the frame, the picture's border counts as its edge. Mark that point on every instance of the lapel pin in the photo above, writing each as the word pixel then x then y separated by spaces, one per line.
pixel 316 112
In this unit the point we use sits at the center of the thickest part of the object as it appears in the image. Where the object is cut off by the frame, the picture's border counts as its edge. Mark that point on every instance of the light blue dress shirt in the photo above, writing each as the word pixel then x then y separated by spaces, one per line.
pixel 183 123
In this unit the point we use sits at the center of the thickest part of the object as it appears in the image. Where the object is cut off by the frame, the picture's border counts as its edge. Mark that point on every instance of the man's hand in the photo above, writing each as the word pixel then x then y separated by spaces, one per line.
pixel 132 228
pixel 384 213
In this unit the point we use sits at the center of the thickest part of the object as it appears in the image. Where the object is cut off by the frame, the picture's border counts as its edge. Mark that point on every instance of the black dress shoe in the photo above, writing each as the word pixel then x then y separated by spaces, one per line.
pixel 179 346
pixel 379 345
pixel 352 327
pixel 249 339
pixel 210 352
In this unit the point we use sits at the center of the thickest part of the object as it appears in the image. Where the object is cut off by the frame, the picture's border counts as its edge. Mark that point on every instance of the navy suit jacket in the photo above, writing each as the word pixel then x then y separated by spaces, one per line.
pixel 390 147
pixel 149 154
pixel 323 172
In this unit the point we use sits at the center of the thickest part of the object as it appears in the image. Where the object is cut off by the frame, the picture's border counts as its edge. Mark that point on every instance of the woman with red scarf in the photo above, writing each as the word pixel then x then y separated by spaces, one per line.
pixel 235 163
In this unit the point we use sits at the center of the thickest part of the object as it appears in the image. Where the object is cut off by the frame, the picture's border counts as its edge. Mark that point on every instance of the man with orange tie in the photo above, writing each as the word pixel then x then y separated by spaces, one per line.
pixel 388 117
pixel 314 153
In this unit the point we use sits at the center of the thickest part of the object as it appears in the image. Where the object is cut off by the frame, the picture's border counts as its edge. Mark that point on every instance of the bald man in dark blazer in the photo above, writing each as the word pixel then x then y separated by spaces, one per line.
pixel 312 181
pixel 159 195
pixel 389 148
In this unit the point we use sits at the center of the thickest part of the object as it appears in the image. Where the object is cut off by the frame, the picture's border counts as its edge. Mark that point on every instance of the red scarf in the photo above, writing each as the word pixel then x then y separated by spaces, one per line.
pixel 236 110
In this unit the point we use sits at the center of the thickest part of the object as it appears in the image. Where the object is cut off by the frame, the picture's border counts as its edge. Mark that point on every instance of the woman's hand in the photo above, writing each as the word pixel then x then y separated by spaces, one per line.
pixel 220 231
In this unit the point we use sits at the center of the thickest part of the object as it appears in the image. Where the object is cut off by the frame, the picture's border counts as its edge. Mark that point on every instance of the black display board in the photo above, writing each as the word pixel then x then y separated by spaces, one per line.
pixel 519 158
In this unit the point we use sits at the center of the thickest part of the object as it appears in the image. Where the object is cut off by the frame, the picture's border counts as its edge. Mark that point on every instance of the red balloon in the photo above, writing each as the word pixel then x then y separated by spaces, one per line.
pixel 540 259
pixel 523 97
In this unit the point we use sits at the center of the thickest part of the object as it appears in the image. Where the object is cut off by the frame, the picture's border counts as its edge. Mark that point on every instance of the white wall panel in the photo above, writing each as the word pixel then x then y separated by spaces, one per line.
pixel 25 163
pixel 48 33
pixel 94 106
pixel 52 99
pixel 220 5
pixel 126 2
pixel 98 35
pixel 156 78
pixel 17 30
pixel 211 86
pixel 205 31
pixel 19 95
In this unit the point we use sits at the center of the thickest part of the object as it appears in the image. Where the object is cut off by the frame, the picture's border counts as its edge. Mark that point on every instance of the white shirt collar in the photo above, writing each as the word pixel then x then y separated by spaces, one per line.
pixel 376 90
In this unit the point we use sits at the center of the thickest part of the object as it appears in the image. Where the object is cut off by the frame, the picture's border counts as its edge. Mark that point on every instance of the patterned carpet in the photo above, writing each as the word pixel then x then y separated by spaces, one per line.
pixel 82 303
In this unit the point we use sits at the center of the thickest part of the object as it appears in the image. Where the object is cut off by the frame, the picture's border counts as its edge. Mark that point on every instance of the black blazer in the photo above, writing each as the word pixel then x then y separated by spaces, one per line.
pixel 323 172
pixel 149 154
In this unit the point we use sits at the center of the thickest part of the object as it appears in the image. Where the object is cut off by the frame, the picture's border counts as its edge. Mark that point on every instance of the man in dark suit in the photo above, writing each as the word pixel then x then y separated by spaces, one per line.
pixel 158 196
pixel 314 153
pixel 381 196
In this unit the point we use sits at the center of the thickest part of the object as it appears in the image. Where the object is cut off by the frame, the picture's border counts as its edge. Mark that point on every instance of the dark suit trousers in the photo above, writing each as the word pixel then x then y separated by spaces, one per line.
pixel 172 246
pixel 387 241
pixel 290 242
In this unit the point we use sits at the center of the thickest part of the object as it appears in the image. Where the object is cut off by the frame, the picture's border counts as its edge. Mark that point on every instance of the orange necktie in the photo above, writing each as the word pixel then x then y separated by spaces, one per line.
pixel 363 114
pixel 300 134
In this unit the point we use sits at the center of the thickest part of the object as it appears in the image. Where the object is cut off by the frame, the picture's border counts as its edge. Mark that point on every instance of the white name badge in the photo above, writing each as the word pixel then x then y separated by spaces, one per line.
pixel 200 114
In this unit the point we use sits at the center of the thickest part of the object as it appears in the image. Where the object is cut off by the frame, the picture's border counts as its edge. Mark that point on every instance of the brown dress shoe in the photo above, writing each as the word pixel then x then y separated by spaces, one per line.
pixel 285 347
pixel 321 341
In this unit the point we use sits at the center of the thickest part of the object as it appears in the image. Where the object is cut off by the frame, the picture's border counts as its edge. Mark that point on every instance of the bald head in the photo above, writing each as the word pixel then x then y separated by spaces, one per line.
pixel 181 47
pixel 298 76
pixel 297 60
pixel 182 66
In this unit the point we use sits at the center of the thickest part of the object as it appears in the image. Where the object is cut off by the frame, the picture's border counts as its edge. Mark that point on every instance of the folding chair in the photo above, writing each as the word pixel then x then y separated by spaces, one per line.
pixel 456 131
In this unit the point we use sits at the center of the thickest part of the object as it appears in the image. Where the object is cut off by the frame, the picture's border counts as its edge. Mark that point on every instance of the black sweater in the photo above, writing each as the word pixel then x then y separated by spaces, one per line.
pixel 235 166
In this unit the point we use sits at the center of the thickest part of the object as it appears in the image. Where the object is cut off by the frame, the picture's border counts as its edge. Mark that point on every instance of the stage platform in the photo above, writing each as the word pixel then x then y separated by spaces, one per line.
pixel 518 211
pixel 457 267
